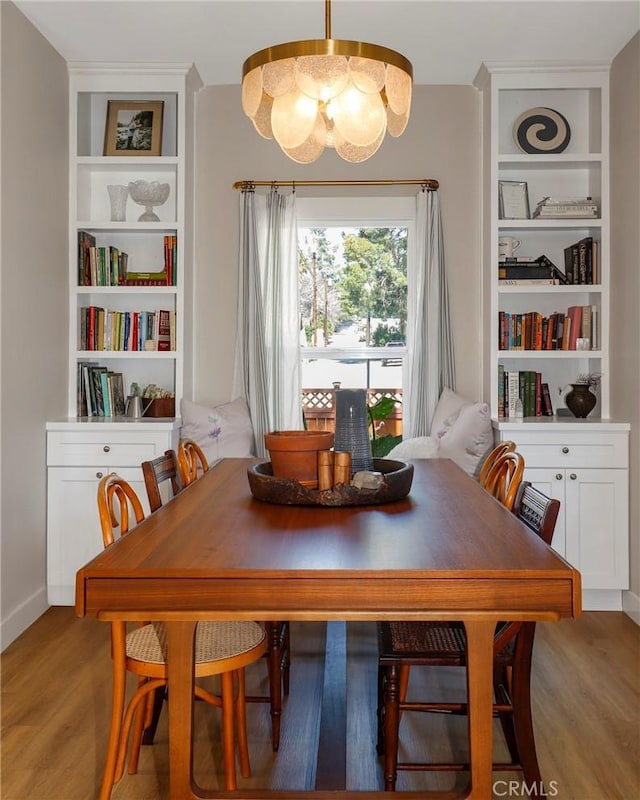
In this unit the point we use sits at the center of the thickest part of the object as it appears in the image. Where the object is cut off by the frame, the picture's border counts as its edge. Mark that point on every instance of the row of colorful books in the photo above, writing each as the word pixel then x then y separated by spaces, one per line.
pixel 575 329
pixel 107 266
pixel 526 386
pixel 104 329
pixel 100 391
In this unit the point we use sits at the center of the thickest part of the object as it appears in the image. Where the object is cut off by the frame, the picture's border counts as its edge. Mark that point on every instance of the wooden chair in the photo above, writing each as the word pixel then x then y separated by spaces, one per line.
pixel 406 645
pixel 182 470
pixel 190 460
pixel 490 459
pixel 504 478
pixel 222 648
pixel 157 471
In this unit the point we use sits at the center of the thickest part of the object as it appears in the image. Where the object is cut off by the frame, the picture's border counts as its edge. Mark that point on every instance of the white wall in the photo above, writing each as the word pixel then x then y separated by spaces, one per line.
pixel 625 280
pixel 33 292
pixel 441 141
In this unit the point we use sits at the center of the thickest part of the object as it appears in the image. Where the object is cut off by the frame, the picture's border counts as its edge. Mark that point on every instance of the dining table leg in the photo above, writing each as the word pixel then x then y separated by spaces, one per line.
pixel 180 673
pixel 480 634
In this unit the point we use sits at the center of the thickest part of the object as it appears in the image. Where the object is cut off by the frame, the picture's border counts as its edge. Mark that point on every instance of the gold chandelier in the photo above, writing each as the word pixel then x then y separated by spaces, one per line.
pixel 320 93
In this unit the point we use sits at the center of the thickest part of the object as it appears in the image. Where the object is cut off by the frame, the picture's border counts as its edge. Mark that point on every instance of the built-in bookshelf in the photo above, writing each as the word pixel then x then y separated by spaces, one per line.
pixel 555 210
pixel 129 275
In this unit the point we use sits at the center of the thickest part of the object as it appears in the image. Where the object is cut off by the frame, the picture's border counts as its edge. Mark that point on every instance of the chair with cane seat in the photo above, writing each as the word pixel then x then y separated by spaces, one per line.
pixel 221 648
pixel 489 460
pixel 156 472
pixel 181 470
pixel 409 645
pixel 504 478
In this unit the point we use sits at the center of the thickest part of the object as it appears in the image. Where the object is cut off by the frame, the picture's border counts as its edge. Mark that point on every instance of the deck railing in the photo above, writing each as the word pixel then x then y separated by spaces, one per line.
pixel 318 406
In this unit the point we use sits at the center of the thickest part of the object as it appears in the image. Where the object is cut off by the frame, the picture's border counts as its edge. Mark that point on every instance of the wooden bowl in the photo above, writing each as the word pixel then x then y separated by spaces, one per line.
pixel 398 476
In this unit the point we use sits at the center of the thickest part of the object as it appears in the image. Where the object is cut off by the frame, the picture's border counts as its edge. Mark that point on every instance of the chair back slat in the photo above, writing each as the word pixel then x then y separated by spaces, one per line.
pixel 190 460
pixel 490 459
pixel 505 477
pixel 157 471
pixel 116 499
pixel 537 511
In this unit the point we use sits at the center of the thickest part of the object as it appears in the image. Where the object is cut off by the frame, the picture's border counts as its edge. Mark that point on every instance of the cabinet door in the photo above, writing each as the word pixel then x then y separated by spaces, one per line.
pixel 552 483
pixel 597 526
pixel 73 527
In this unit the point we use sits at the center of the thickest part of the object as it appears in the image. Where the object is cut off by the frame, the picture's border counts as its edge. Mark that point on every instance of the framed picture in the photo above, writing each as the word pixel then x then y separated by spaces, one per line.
pixel 134 128
pixel 513 200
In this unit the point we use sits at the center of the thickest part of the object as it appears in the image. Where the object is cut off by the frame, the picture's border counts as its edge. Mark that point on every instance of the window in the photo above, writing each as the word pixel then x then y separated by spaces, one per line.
pixel 354 256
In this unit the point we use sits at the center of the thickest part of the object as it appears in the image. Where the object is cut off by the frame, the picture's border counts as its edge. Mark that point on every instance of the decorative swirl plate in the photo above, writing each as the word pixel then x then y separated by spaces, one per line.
pixel 398 476
pixel 542 130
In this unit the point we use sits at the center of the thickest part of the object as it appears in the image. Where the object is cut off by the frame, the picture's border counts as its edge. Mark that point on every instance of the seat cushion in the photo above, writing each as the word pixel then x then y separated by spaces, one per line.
pixel 222 431
pixel 419 447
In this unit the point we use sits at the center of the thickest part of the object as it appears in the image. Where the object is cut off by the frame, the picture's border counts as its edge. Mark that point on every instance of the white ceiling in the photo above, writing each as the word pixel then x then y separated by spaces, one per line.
pixel 446 40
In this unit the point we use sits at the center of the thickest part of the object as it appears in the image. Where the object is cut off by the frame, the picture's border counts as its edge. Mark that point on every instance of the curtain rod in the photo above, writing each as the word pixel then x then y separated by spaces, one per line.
pixel 429 183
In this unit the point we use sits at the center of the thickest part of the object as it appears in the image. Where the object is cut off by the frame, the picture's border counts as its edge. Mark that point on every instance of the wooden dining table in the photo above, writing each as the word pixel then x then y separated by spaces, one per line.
pixel 447 551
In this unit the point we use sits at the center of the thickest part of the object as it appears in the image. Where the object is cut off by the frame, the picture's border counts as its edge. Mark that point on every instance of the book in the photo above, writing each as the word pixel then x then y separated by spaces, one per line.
pixel 547 408
pixel 104 385
pixel 575 329
pixel 86 241
pixel 117 388
pixel 512 393
pixel 500 391
pixel 163 338
pixel 527 282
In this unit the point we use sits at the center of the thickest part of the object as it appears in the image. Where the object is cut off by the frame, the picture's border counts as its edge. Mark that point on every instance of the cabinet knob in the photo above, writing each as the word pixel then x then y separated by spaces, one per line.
pixel 106 448
pixel 558 476
pixel 565 449
pixel 99 474
pixel 573 476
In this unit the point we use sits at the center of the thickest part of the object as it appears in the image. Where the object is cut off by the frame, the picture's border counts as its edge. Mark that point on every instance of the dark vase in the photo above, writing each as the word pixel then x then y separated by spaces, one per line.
pixel 352 428
pixel 580 400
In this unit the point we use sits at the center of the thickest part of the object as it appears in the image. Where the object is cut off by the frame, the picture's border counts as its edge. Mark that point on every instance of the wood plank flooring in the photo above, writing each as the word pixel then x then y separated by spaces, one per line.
pixel 56 686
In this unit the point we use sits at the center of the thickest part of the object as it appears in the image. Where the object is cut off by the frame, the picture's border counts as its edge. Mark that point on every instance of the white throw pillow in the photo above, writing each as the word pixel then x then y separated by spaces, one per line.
pixel 446 412
pixel 420 447
pixel 223 431
pixel 469 438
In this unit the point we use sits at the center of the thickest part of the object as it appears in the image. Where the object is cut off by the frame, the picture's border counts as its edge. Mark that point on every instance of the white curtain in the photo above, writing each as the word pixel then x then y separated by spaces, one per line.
pixel 267 362
pixel 431 360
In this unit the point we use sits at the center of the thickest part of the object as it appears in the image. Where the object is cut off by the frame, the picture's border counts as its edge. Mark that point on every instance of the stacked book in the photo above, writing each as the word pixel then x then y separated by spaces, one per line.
pixel 529 270
pixel 566 208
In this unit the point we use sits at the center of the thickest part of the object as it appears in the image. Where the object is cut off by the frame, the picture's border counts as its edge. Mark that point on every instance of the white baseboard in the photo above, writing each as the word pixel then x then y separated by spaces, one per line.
pixel 631 606
pixel 20 618
pixel 601 600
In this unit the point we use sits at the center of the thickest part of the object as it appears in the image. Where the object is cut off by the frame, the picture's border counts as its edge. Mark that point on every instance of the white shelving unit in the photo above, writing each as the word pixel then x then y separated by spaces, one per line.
pixel 582 462
pixel 90 172
pixel 80 450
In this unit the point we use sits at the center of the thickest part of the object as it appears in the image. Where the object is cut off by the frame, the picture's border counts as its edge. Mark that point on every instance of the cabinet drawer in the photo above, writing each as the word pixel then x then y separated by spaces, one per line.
pixel 106 448
pixel 574 450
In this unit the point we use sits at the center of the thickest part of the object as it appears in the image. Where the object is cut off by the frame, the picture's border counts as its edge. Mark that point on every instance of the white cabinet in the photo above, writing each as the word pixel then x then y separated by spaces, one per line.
pixel 78 455
pixel 586 468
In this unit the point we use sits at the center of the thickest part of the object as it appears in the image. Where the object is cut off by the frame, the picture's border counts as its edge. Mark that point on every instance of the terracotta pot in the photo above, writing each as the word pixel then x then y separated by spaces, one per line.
pixel 294 454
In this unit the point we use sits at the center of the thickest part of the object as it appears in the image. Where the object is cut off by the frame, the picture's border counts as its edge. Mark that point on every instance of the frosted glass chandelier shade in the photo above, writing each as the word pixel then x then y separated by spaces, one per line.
pixel 319 93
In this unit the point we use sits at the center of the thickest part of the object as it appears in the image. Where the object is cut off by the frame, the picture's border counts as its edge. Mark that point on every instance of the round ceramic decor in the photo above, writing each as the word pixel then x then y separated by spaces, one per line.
pixel 541 130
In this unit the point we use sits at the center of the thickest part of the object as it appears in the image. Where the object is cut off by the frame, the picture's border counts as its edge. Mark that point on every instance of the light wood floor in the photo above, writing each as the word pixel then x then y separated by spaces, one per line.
pixel 56 700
